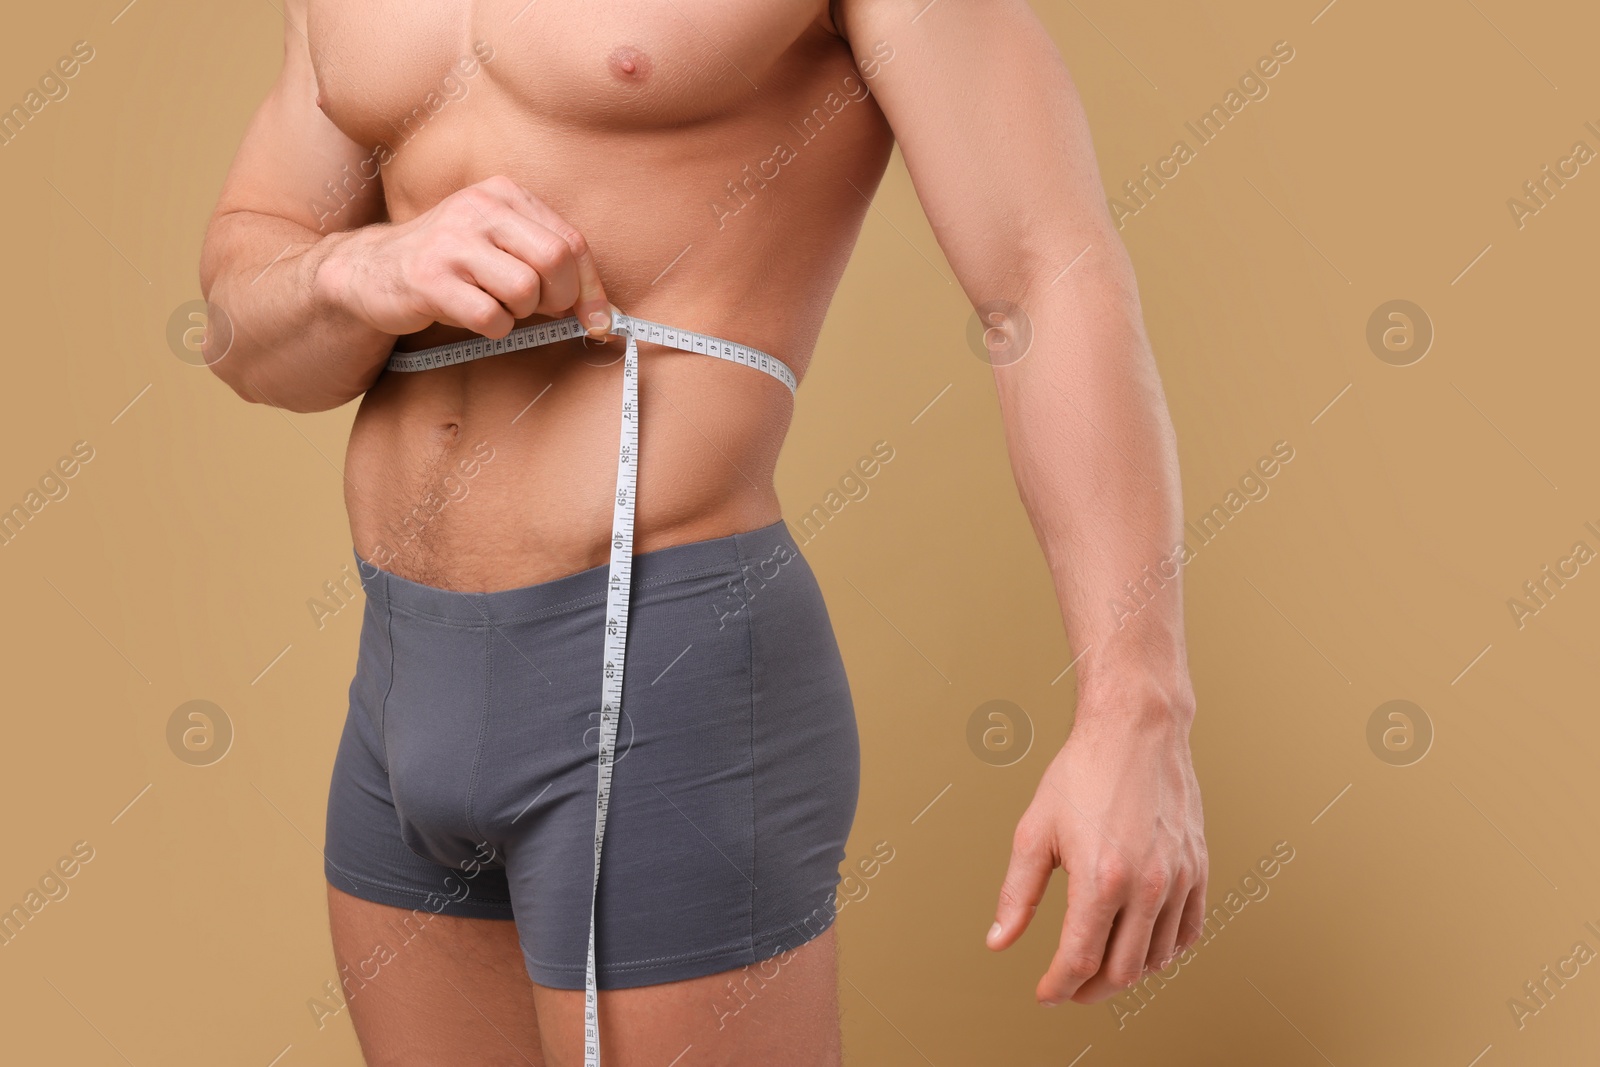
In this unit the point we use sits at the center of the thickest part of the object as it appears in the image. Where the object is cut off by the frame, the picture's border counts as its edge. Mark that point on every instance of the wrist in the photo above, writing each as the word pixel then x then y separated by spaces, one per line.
pixel 1141 669
pixel 1138 695
pixel 330 268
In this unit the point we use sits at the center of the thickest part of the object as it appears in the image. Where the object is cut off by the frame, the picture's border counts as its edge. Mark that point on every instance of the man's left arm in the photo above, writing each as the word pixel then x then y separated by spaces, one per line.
pixel 995 138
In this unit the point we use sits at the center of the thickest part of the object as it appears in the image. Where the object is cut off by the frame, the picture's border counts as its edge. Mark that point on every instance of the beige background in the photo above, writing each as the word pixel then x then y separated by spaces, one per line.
pixel 1420 898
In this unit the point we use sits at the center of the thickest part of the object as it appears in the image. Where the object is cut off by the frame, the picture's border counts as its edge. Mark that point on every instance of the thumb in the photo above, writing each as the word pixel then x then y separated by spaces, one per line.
pixel 1026 877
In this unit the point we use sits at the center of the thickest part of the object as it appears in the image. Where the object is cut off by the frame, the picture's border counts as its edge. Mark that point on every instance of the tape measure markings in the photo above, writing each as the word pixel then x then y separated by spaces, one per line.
pixel 567 329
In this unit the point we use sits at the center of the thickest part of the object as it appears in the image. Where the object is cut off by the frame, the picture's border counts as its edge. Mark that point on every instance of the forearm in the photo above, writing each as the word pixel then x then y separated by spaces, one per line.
pixel 1094 455
pixel 283 290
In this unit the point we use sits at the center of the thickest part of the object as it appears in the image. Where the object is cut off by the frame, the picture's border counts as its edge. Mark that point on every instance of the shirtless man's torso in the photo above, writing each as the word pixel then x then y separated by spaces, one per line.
pixel 421 174
pixel 720 182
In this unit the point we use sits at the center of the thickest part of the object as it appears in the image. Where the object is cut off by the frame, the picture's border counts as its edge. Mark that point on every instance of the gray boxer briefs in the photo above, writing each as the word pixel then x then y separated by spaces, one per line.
pixel 465 778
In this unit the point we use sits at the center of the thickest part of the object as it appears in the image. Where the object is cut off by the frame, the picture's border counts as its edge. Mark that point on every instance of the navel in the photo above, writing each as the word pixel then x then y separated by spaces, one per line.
pixel 629 64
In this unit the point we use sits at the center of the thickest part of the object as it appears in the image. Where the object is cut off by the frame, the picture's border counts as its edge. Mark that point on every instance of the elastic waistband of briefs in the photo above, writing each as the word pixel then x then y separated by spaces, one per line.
pixel 727 554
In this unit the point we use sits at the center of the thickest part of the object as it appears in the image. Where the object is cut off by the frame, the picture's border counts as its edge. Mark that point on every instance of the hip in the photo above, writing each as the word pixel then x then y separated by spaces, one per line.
pixel 472 736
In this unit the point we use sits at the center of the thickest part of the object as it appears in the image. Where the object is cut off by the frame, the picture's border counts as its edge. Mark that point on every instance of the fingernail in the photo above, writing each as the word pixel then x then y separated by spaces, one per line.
pixel 1051 1003
pixel 599 320
pixel 994 931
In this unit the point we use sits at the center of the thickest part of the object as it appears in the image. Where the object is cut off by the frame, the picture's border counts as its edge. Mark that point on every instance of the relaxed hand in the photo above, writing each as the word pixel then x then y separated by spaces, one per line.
pixel 1119 809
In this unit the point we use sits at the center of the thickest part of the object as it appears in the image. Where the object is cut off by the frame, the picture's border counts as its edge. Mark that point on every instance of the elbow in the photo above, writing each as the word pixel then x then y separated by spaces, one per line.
pixel 253 389
pixel 246 378
pixel 242 388
pixel 219 351
pixel 256 374
pixel 240 385
pixel 215 341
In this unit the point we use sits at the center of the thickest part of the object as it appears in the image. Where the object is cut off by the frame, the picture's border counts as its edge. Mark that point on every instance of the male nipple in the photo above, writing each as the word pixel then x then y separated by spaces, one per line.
pixel 629 64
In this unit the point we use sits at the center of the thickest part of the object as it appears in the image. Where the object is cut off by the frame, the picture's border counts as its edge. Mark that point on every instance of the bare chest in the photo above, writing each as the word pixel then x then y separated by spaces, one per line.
pixel 384 66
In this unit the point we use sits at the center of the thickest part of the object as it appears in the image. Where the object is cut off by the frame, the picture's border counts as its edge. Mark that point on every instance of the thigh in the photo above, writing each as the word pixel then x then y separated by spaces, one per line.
pixel 424 989
pixel 779 1012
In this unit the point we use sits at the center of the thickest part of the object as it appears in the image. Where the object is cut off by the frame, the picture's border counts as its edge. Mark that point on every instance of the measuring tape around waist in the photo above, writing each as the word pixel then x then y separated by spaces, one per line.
pixel 622 525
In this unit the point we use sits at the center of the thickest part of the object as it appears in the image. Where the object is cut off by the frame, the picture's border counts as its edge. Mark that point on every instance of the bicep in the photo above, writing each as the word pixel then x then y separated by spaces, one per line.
pixel 991 129
pixel 293 163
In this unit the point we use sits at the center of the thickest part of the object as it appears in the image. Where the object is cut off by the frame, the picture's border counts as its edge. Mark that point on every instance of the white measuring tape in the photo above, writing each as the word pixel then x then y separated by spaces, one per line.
pixel 622 523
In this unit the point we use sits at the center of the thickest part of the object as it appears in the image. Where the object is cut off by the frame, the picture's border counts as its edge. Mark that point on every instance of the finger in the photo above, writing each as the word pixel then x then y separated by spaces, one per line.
pixel 1164 935
pixel 513 283
pixel 592 307
pixel 1194 915
pixel 461 303
pixel 540 248
pixel 1027 875
pixel 1093 900
pixel 1125 953
pixel 589 301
